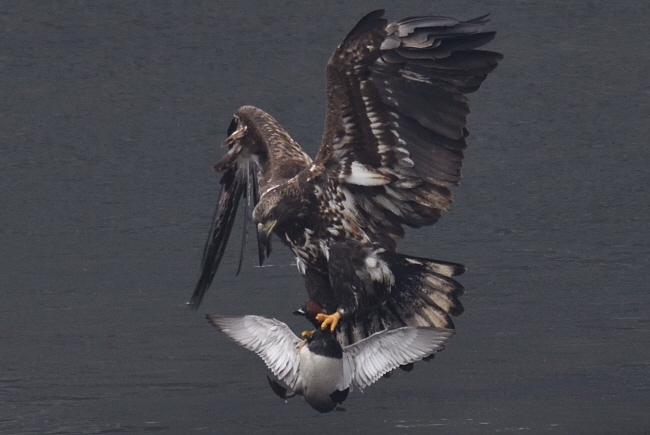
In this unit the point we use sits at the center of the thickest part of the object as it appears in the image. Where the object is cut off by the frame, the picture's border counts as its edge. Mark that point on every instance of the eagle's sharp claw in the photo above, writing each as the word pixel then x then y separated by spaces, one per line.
pixel 306 335
pixel 330 320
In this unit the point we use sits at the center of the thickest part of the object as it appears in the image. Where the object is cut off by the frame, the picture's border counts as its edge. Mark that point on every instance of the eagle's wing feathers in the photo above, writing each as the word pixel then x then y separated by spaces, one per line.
pixel 271 339
pixel 396 118
pixel 252 198
pixel 261 155
pixel 369 359
pixel 233 183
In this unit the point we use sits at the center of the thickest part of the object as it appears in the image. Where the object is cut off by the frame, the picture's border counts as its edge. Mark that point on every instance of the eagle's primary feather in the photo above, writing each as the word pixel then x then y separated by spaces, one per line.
pixel 395 131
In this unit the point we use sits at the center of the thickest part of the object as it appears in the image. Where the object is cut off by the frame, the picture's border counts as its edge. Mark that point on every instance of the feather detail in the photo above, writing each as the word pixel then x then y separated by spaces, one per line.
pixel 364 175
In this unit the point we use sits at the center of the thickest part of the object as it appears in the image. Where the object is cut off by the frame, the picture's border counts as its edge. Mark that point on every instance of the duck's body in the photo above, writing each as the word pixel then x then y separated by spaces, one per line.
pixel 318 368
pixel 321 374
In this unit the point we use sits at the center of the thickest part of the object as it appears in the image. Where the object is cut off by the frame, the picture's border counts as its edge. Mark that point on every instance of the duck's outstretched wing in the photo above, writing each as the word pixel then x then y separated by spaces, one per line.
pixel 369 359
pixel 261 155
pixel 271 339
pixel 396 119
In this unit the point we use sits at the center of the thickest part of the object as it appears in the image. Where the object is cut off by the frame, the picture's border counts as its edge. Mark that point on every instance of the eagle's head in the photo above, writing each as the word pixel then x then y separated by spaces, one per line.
pixel 278 209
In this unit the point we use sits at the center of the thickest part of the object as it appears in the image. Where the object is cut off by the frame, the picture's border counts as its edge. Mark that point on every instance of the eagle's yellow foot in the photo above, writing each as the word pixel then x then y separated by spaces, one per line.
pixel 306 335
pixel 330 320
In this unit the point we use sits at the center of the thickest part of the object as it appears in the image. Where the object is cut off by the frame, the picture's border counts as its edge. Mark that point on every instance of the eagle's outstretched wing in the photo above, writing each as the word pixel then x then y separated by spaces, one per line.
pixel 396 118
pixel 261 155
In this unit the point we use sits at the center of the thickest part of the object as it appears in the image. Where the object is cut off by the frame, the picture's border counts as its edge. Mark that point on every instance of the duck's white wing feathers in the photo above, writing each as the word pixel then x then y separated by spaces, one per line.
pixel 369 359
pixel 271 339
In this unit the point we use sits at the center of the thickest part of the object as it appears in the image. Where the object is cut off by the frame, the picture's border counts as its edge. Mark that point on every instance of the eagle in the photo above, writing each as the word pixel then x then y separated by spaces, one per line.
pixel 394 135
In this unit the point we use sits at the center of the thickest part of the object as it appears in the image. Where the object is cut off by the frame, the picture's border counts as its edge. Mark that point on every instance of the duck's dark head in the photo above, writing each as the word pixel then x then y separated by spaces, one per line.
pixel 309 311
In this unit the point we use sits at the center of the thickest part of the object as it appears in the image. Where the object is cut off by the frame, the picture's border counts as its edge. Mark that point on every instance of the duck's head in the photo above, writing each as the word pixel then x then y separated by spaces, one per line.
pixel 309 311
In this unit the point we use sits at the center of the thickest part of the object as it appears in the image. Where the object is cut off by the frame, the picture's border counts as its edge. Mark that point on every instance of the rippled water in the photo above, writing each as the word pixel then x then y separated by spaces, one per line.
pixel 111 117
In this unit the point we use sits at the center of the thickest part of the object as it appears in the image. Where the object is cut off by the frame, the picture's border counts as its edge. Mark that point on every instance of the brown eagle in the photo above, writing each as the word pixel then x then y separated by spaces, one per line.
pixel 395 131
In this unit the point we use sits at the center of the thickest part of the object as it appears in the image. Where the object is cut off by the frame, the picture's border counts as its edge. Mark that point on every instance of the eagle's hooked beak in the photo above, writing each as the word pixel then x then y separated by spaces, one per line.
pixel 264 232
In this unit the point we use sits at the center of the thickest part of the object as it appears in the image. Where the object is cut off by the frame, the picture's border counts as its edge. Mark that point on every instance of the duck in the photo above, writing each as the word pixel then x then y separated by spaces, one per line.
pixel 316 366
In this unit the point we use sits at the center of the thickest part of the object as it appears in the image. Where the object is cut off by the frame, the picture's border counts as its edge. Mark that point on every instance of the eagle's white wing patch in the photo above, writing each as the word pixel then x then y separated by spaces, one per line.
pixel 364 175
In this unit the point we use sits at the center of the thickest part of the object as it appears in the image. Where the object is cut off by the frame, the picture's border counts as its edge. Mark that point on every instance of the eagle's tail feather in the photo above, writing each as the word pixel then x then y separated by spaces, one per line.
pixel 424 294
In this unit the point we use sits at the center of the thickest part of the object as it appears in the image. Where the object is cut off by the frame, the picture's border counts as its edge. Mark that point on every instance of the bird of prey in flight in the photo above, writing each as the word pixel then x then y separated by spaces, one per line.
pixel 392 147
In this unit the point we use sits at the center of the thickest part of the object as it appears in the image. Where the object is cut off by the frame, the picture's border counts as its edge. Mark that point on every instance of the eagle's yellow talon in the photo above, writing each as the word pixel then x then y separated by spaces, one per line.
pixel 330 320
pixel 307 334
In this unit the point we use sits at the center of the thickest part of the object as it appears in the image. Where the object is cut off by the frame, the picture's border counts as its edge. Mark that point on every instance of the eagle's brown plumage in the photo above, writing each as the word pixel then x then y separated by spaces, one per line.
pixel 395 131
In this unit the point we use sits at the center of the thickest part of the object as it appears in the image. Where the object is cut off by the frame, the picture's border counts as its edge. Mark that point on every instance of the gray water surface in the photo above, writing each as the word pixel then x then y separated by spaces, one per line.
pixel 111 116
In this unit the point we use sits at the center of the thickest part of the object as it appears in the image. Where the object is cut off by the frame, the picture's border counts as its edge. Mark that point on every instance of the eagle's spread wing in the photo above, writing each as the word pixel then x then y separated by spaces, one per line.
pixel 271 339
pixel 396 118
pixel 369 359
pixel 261 155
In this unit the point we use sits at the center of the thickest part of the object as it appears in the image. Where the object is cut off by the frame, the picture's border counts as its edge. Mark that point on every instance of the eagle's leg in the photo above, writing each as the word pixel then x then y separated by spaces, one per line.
pixel 306 335
pixel 330 320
